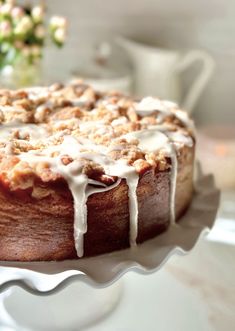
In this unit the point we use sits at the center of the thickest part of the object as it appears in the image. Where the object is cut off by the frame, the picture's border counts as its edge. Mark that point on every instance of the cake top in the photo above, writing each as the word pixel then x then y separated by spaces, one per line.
pixel 44 130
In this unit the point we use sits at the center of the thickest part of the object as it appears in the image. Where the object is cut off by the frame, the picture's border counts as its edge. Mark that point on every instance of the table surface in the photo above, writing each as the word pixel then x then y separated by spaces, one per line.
pixel 195 292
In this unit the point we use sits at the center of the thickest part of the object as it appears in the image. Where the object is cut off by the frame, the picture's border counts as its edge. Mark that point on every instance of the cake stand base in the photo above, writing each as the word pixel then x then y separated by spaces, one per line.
pixel 75 308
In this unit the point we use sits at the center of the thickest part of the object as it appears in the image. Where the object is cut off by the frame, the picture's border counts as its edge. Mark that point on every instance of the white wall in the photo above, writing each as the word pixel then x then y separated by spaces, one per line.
pixel 178 23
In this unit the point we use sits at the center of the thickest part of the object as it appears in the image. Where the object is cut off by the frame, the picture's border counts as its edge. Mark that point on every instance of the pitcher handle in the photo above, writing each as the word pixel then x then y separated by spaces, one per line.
pixel 202 78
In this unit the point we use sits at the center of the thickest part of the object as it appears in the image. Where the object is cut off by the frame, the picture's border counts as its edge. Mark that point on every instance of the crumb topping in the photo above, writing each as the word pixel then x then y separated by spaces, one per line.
pixel 35 124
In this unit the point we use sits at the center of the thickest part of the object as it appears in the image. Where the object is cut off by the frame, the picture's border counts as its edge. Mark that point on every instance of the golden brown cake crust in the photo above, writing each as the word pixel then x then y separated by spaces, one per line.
pixel 36 203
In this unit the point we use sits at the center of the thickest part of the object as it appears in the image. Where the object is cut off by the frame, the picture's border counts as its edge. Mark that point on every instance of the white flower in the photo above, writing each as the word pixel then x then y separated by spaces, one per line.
pixel 17 12
pixel 58 22
pixel 40 32
pixel 37 14
pixel 60 35
pixel 6 9
pixel 24 25
pixel 5 29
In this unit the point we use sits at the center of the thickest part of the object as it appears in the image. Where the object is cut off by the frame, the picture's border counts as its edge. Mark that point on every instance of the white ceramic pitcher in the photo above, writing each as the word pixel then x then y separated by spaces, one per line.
pixel 157 71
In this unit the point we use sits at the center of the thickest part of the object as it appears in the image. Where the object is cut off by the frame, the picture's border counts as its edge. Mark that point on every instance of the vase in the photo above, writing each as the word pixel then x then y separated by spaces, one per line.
pixel 21 74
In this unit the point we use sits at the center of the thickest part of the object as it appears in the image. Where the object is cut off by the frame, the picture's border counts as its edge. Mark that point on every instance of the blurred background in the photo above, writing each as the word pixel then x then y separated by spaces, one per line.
pixel 182 26
pixel 184 51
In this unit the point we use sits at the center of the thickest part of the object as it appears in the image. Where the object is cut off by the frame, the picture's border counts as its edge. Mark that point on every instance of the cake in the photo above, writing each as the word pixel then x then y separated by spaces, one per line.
pixel 84 173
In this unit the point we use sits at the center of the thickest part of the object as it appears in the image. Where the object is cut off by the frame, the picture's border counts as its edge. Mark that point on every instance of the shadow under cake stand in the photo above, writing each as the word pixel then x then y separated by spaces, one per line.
pixel 73 294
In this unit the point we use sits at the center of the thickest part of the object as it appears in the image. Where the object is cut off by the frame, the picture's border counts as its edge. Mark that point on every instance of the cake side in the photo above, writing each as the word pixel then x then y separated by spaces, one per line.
pixel 42 229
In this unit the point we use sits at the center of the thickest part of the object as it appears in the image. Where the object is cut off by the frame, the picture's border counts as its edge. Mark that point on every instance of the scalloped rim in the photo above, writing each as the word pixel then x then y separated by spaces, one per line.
pixel 44 278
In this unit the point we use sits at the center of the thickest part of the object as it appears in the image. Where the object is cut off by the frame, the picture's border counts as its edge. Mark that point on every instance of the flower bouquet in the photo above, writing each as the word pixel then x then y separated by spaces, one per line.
pixel 24 32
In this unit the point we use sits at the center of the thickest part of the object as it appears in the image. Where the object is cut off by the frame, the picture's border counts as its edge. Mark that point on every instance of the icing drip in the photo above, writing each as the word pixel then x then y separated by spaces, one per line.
pixel 123 170
pixel 174 171
pixel 77 185
pixel 132 182
pixel 154 140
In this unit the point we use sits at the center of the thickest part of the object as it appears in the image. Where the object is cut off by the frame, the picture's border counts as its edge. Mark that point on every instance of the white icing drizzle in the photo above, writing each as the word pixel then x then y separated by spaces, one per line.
pixel 34 131
pixel 174 171
pixel 146 107
pixel 11 109
pixel 132 181
pixel 36 93
pixel 156 138
pixel 180 139
pixel 149 105
pixel 184 118
pixel 149 141
pixel 121 169
pixel 119 121
pixel 77 185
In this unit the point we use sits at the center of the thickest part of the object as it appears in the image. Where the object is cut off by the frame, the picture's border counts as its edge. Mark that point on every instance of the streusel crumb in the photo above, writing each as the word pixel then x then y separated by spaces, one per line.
pixel 34 123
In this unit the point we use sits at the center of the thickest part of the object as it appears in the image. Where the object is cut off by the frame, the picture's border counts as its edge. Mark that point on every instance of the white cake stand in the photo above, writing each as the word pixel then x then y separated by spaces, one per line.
pixel 74 308
pixel 71 295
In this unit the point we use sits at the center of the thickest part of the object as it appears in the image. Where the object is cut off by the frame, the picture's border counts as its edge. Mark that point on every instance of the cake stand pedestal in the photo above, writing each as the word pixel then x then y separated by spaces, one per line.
pixel 95 288
pixel 75 307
